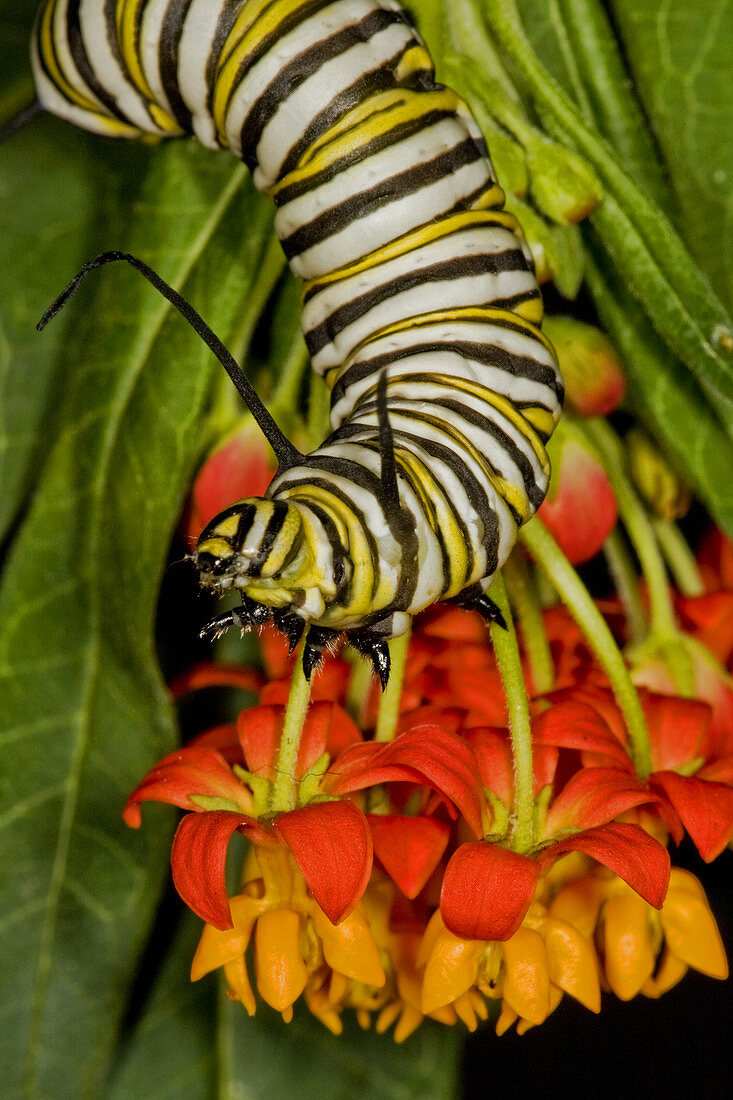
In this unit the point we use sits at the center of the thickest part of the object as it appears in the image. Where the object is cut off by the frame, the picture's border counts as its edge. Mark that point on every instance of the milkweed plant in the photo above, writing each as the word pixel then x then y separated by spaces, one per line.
pixel 496 833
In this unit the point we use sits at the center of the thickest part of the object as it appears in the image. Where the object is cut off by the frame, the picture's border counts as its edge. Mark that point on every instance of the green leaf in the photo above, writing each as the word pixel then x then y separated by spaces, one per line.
pixel 84 712
pixel 662 393
pixel 56 199
pixel 680 57
pixel 172 1050
pixel 576 43
pixel 265 1058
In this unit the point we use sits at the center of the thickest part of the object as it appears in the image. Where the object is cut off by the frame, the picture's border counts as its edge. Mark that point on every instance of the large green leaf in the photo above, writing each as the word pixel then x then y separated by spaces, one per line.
pixel 58 197
pixel 680 55
pixel 314 1064
pixel 661 393
pixel 185 1045
pixel 172 1051
pixel 577 45
pixel 83 709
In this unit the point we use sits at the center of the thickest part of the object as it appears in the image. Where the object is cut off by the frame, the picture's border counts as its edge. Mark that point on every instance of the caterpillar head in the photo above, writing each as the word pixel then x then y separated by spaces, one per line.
pixel 260 548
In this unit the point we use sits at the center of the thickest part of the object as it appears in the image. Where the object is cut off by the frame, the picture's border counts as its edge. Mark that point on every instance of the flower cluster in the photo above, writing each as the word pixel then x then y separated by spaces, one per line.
pixel 493 832
pixel 388 879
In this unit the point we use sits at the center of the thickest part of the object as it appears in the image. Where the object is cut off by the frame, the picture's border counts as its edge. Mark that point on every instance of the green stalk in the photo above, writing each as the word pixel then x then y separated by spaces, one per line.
pixel 389 704
pixel 283 789
pixel 506 650
pixel 577 599
pixel 359 686
pixel 638 525
pixel 679 557
pixel 525 602
pixel 621 568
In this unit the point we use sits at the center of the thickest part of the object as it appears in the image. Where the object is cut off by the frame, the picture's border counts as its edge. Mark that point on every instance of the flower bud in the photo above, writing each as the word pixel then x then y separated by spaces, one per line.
pixel 563 186
pixel 580 508
pixel 240 465
pixel 594 379
pixel 659 483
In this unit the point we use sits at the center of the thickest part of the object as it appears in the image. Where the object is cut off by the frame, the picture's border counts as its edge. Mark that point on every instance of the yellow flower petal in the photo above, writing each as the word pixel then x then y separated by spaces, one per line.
pixel 451 970
pixel 690 930
pixel 349 947
pixel 239 987
pixel 579 903
pixel 479 1004
pixel 217 947
pixel 321 1007
pixel 506 1019
pixel 629 958
pixel 526 986
pixel 387 1017
pixel 434 927
pixel 669 971
pixel 572 962
pixel 338 987
pixel 408 1022
pixel 281 972
pixel 465 1011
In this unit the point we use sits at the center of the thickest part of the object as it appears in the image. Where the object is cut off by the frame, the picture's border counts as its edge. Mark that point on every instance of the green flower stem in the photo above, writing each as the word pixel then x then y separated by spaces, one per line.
pixel 679 557
pixel 389 704
pixel 506 650
pixel 283 789
pixel 621 568
pixel 577 599
pixel 524 600
pixel 360 682
pixel 638 525
pixel 651 255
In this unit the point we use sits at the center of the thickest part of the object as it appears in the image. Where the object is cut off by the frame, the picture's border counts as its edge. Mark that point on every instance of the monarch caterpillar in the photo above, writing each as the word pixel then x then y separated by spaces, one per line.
pixel 420 307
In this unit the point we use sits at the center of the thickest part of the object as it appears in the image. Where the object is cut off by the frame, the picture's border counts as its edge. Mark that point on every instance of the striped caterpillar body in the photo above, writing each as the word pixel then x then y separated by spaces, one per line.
pixel 420 306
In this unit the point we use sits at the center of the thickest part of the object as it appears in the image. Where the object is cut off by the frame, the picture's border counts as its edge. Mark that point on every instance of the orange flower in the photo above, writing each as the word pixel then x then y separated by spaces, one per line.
pixel 529 972
pixel 644 951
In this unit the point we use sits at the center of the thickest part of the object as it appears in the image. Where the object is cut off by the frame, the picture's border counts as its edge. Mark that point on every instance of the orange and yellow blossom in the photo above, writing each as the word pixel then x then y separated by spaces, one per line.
pixel 546 957
pixel 643 950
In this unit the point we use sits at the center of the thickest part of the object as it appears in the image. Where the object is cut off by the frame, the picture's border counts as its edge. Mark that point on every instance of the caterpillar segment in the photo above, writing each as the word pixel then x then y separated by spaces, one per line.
pixel 420 307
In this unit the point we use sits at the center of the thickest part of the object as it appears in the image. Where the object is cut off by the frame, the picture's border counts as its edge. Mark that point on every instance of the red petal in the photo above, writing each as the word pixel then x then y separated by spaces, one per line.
pixel 191 770
pixel 332 845
pixel 409 848
pixel 487 891
pixel 576 725
pixel 594 796
pixel 259 735
pixel 625 849
pixel 207 674
pixel 240 466
pixel 198 859
pixel 493 753
pixel 705 809
pixel 427 754
pixel 494 757
pixel 327 728
pixel 222 738
pixel 455 625
pixel 710 619
pixel 677 729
